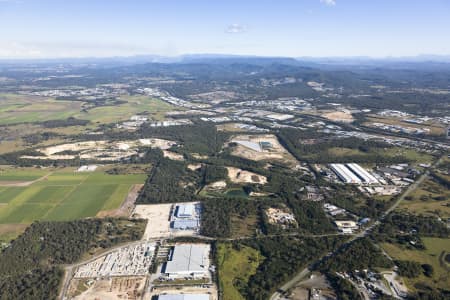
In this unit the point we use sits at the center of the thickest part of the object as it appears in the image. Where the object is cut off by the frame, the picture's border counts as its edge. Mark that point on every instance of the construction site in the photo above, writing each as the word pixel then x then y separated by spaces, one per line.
pixel 132 260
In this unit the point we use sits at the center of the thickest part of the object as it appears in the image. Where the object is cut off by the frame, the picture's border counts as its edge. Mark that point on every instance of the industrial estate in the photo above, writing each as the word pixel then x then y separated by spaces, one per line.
pixel 232 178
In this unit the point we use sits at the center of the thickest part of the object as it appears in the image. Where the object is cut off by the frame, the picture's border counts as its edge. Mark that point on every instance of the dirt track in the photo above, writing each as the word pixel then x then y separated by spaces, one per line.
pixel 127 206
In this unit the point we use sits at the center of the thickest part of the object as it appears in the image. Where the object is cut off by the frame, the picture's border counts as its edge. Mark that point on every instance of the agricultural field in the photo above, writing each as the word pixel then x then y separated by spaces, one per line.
pixel 154 108
pixel 10 174
pixel 16 109
pixel 434 254
pixel 61 194
pixel 23 108
pixel 236 266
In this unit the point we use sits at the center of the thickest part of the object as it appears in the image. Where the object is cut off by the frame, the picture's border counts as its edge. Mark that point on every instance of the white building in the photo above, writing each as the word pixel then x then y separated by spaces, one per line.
pixel 188 260
pixel 362 173
pixel 345 174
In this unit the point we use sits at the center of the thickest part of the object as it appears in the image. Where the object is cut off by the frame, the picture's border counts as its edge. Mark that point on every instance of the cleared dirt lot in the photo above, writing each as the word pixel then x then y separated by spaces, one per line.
pixel 275 152
pixel 237 175
pixel 173 155
pixel 108 289
pixel 158 216
pixel 339 116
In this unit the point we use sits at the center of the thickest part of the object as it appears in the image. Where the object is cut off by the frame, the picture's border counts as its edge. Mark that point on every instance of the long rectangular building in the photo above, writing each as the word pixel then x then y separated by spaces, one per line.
pixel 362 173
pixel 345 174
pixel 184 297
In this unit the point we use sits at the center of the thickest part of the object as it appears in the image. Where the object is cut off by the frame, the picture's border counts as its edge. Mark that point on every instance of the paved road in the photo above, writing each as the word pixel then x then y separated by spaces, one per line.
pixel 299 276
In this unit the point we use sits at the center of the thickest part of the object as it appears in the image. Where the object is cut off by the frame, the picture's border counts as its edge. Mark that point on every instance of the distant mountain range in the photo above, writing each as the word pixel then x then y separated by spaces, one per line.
pixel 362 61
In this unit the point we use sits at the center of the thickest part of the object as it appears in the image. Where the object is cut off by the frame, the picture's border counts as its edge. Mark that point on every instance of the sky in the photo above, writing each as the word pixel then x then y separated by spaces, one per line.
pixel 293 28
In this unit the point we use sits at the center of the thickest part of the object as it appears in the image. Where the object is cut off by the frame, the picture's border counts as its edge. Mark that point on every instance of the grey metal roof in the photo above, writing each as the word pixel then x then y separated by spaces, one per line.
pixel 188 258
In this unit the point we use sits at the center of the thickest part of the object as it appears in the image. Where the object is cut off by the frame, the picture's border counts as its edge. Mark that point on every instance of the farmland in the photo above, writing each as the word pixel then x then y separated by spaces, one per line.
pixel 62 195
pixel 16 109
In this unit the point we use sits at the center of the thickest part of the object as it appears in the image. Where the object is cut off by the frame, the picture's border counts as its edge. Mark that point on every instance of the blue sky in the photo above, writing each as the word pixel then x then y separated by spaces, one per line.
pixel 80 28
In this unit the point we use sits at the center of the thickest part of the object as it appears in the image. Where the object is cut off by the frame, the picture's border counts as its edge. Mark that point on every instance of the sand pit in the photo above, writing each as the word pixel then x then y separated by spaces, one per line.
pixel 173 155
pixel 194 167
pixel 99 150
pixel 261 147
pixel 237 175
pixel 158 216
pixel 339 116
pixel 218 185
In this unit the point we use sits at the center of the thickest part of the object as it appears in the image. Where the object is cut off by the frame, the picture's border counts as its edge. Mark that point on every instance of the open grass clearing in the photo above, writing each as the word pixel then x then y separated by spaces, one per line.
pixel 430 198
pixel 236 265
pixel 433 255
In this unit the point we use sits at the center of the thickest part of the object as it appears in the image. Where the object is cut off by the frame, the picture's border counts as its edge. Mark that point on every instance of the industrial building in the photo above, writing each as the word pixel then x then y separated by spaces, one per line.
pixel 346 226
pixel 353 173
pixel 188 260
pixel 362 173
pixel 186 216
pixel 345 174
pixel 186 224
pixel 185 210
pixel 251 145
pixel 184 297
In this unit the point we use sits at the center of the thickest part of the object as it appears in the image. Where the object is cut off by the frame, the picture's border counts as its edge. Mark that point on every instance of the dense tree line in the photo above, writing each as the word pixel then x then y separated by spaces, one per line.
pixel 358 255
pixel 170 181
pixel 343 288
pixel 284 256
pixel 41 283
pixel 201 137
pixel 293 140
pixel 408 268
pixel 352 200
pixel 29 266
pixel 404 223
pixel 217 213
pixel 71 121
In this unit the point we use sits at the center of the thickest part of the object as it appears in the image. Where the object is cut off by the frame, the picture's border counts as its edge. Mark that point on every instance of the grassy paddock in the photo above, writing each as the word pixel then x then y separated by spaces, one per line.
pixel 433 255
pixel 236 265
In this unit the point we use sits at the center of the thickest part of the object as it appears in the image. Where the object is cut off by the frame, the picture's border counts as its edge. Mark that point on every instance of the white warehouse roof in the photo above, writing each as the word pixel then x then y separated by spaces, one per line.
pixel 362 173
pixel 345 174
pixel 189 259
pixel 185 210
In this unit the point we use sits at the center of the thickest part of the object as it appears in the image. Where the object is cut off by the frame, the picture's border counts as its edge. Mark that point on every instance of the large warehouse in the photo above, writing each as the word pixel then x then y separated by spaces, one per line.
pixel 184 297
pixel 353 173
pixel 362 174
pixel 345 174
pixel 185 210
pixel 188 260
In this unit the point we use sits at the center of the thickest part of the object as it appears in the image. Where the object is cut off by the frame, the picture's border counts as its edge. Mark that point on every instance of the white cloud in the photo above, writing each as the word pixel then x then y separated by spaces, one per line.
pixel 235 28
pixel 328 2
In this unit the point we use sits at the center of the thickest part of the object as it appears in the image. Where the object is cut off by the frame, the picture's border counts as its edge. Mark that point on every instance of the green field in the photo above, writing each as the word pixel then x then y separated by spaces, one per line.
pixel 21 174
pixel 16 109
pixel 236 265
pixel 64 195
pixel 436 248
